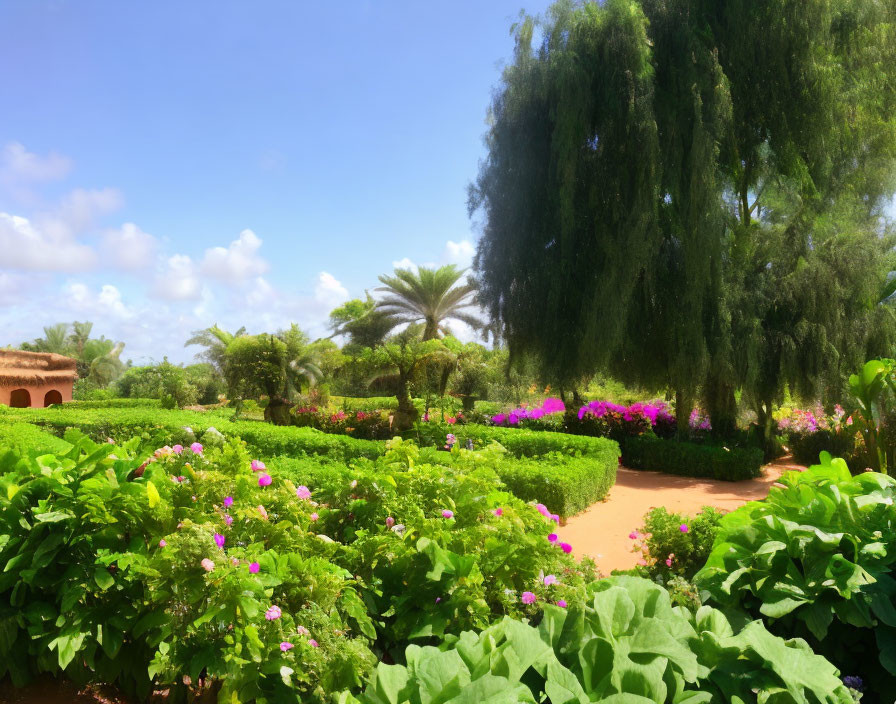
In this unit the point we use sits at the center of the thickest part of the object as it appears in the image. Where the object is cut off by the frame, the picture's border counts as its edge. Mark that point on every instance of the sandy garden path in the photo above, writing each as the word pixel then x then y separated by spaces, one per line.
pixel 602 530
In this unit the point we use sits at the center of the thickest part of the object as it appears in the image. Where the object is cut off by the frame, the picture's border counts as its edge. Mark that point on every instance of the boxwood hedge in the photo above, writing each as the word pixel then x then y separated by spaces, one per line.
pixel 690 459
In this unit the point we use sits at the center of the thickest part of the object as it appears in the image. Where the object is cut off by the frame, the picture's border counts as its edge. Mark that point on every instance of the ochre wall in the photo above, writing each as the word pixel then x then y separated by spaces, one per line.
pixel 38 392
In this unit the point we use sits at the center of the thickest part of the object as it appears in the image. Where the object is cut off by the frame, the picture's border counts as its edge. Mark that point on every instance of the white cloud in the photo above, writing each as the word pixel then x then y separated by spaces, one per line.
pixel 261 293
pixel 79 298
pixel 79 210
pixel 178 280
pixel 129 247
pixel 19 167
pixel 26 245
pixel 240 261
pixel 329 291
pixel 404 263
pixel 459 253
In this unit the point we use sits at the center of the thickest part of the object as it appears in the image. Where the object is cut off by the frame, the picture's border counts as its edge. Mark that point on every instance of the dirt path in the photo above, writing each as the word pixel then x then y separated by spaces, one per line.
pixel 602 530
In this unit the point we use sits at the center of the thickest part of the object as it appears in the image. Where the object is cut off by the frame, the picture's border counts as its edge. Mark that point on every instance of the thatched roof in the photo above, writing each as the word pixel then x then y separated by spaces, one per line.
pixel 18 368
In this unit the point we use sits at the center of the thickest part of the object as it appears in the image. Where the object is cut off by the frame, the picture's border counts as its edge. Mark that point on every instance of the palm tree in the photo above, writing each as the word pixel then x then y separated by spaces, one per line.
pixel 106 367
pixel 80 335
pixel 55 339
pixel 215 340
pixel 430 296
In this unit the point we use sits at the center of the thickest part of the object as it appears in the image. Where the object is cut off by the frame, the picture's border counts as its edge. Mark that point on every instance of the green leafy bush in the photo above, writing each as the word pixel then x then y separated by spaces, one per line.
pixel 806 447
pixel 133 573
pixel 816 559
pixel 628 645
pixel 690 459
pixel 675 544
pixel 26 438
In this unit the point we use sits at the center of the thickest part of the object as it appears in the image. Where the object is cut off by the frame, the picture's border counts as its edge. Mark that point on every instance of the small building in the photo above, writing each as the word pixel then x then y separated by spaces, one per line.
pixel 35 379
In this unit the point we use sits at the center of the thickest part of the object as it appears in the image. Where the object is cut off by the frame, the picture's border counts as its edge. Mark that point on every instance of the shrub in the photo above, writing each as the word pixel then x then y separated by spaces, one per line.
pixel 690 459
pixel 122 578
pixel 674 544
pixel 626 645
pixel 807 446
pixel 816 559
pixel 25 438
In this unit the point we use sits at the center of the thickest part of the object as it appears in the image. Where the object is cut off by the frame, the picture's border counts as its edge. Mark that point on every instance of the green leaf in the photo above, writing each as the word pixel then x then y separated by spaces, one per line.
pixel 103 579
pixel 152 494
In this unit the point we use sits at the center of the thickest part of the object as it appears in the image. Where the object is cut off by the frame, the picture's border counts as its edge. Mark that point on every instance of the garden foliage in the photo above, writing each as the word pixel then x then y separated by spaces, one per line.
pixel 692 459
pixel 816 560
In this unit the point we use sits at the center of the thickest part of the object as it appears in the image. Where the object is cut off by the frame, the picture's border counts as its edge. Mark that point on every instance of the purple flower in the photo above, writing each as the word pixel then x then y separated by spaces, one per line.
pixel 228 501
pixel 390 521
pixel 313 643
pixel 528 598
pixel 286 645
pixel 561 603
pixel 566 547
pixel 228 519
pixel 447 514
pixel 273 613
pixel 264 479
pixel 301 630
pixel 555 518
pixel 219 540
pixel 254 567
pixel 854 682
pixel 683 528
pixel 258 466
pixel 498 512
pixel 196 448
pixel 178 449
pixel 162 543
pixel 633 535
pixel 553 538
pixel 314 516
pixel 303 492
pixel 549 579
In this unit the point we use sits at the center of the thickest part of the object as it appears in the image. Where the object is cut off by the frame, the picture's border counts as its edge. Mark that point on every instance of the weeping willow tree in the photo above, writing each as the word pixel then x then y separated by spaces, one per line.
pixel 661 177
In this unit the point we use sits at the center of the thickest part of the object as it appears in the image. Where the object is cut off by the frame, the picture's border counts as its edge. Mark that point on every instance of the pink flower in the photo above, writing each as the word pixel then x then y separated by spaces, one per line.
pixel 555 518
pixel 313 643
pixel 553 538
pixel 234 561
pixel 228 501
pixel 162 543
pixel 264 514
pixel 207 565
pixel 354 484
pixel 528 598
pixel 219 540
pixel 314 516
pixel 301 630
pixel 390 521
pixel 273 613
pixel 498 512
pixel 549 579
pixel 633 535
pixel 196 448
pixel 562 603
pixel 228 519
pixel 566 547
pixel 451 420
pixel 254 567
pixel 683 528
pixel 286 645
pixel 543 510
pixel 178 449
pixel 447 514
pixel 258 465
pixel 668 563
pixel 264 479
pixel 303 492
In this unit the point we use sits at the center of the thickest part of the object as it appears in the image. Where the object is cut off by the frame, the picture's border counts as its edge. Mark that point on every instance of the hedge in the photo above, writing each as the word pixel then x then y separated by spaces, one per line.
pixel 268 440
pixel 24 437
pixel 566 473
pixel 690 459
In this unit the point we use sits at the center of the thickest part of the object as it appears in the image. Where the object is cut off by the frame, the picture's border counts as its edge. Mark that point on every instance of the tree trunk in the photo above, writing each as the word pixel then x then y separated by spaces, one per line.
pixel 683 407
pixel 722 407
pixel 406 414
pixel 277 411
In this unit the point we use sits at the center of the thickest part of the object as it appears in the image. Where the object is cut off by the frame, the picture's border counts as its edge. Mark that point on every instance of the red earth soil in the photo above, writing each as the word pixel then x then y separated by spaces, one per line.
pixel 602 531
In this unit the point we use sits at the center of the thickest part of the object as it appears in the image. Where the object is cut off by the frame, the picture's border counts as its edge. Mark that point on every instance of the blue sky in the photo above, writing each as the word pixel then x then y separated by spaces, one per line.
pixel 168 165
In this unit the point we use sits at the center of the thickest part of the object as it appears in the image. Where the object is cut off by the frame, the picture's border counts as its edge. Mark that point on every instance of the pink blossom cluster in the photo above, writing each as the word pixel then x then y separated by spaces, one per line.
pixel 548 407
pixel 810 421
pixel 654 411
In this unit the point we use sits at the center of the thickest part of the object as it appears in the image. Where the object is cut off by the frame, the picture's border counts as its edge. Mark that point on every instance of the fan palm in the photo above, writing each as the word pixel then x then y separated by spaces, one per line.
pixel 215 340
pixel 430 296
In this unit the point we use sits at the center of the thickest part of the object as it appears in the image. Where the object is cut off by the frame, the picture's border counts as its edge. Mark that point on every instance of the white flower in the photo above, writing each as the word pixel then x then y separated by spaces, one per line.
pixel 398 528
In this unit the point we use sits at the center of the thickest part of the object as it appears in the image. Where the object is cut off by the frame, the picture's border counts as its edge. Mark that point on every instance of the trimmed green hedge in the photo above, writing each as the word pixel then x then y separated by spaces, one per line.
pixel 268 440
pixel 567 473
pixel 116 403
pixel 25 437
pixel 690 459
